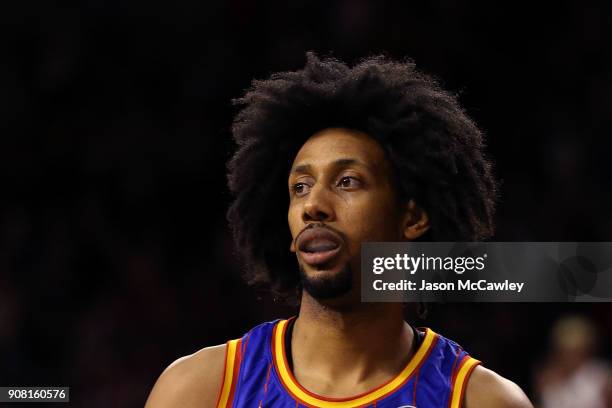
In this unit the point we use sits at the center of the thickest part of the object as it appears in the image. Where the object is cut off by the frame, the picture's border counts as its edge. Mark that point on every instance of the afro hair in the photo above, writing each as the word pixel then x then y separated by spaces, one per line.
pixel 435 149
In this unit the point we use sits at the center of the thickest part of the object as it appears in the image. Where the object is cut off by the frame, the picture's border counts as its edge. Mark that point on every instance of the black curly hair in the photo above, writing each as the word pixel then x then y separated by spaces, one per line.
pixel 435 149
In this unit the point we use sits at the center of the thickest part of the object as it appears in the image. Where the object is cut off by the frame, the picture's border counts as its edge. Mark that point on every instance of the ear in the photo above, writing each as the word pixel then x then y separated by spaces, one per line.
pixel 415 222
pixel 292 246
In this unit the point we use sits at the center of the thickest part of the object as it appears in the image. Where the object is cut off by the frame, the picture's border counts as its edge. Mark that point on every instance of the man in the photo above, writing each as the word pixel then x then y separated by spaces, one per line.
pixel 376 152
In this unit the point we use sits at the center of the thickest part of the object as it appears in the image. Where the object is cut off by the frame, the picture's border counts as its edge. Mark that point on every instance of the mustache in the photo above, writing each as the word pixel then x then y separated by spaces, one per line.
pixel 319 225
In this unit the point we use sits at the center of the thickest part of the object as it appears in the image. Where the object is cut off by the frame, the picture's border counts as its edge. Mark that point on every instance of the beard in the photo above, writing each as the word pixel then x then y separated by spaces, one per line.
pixel 328 287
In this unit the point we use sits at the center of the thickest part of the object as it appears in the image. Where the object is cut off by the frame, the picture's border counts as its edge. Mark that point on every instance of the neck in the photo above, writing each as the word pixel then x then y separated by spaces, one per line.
pixel 364 345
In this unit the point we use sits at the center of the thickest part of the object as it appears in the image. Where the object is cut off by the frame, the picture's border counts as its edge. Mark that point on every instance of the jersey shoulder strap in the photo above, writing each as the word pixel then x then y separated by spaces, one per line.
pixel 246 356
pixel 452 367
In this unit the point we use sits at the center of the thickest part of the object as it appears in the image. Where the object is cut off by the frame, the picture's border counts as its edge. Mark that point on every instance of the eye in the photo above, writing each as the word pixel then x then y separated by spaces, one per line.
pixel 349 182
pixel 300 189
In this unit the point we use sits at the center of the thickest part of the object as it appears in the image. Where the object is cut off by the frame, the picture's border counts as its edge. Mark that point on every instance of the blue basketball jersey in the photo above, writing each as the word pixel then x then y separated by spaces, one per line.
pixel 257 375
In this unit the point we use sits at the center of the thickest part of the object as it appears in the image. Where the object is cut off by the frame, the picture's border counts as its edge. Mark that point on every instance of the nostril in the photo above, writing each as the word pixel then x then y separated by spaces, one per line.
pixel 315 215
pixel 322 215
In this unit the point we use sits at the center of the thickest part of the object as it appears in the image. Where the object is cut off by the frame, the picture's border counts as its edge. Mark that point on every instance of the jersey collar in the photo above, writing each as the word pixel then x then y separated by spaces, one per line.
pixel 310 399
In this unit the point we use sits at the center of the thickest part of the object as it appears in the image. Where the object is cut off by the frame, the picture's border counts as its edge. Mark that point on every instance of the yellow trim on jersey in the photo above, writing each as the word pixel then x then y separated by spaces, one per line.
pixel 458 386
pixel 230 357
pixel 310 399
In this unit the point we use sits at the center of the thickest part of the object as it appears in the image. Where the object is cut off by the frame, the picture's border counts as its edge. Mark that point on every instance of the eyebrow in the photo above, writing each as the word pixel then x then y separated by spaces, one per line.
pixel 305 168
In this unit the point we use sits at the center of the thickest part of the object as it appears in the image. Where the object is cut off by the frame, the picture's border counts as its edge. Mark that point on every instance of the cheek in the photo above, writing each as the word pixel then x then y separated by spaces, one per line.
pixel 294 219
pixel 372 219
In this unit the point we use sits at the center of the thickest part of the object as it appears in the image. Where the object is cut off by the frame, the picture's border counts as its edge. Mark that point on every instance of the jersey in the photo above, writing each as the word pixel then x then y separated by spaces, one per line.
pixel 257 374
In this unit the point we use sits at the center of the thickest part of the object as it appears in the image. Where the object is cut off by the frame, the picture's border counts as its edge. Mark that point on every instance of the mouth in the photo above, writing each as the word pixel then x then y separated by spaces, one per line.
pixel 318 246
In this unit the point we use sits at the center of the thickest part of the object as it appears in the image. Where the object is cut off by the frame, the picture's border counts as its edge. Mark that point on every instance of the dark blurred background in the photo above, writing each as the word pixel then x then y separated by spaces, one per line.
pixel 115 258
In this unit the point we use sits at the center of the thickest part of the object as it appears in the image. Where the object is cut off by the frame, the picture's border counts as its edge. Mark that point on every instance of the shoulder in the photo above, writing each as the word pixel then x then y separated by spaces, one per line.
pixel 485 388
pixel 190 381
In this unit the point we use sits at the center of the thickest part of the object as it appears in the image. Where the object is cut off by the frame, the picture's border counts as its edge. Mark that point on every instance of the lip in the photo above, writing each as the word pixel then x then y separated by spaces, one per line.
pixel 318 234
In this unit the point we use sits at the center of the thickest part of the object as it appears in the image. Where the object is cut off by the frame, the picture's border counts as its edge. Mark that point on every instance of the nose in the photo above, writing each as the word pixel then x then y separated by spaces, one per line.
pixel 318 205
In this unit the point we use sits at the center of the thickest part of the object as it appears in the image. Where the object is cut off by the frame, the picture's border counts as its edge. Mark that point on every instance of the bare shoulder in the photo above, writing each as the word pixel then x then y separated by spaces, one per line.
pixel 486 388
pixel 190 381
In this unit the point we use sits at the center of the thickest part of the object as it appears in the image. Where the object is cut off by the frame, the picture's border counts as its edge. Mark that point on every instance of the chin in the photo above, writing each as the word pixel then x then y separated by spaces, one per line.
pixel 324 283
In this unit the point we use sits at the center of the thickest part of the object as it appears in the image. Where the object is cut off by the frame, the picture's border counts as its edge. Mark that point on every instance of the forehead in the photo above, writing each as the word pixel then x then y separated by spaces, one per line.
pixel 334 144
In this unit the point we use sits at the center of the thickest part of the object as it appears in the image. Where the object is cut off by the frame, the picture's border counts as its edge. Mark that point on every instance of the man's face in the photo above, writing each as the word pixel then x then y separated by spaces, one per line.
pixel 341 194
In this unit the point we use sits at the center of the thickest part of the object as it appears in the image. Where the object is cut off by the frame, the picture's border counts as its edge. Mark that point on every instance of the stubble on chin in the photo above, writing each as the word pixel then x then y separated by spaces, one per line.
pixel 327 286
